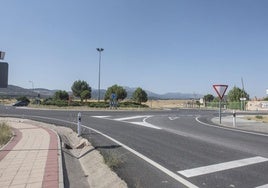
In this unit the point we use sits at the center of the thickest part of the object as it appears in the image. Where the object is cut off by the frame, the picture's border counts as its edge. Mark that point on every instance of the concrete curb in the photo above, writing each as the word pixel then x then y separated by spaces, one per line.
pixel 61 182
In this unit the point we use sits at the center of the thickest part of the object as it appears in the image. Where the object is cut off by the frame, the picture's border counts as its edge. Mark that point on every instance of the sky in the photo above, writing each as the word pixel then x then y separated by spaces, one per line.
pixel 163 46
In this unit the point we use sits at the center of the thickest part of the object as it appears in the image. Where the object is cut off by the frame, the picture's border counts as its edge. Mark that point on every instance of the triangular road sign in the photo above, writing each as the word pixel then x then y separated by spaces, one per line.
pixel 220 89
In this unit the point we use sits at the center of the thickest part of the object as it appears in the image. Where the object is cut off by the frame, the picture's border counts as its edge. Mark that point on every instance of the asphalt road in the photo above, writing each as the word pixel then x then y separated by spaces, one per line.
pixel 168 148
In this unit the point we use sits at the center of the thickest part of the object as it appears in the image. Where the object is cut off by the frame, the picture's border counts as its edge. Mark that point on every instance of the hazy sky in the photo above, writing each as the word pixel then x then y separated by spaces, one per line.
pixel 159 45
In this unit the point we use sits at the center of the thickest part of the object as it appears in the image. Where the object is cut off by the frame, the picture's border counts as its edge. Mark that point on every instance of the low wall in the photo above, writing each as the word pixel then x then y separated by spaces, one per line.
pixel 257 105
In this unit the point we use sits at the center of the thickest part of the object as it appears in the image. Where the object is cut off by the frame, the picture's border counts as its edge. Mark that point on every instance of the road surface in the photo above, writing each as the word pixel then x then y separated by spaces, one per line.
pixel 168 148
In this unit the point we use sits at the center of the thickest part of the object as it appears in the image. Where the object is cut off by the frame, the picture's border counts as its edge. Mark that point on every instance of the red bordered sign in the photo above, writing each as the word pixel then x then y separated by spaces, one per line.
pixel 220 90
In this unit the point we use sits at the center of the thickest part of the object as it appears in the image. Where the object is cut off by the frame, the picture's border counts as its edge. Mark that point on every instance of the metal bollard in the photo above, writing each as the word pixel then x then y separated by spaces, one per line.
pixel 79 124
pixel 234 118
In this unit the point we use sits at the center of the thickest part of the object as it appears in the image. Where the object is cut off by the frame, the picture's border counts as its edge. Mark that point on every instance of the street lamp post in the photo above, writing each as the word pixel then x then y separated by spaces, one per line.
pixel 99 50
pixel 32 84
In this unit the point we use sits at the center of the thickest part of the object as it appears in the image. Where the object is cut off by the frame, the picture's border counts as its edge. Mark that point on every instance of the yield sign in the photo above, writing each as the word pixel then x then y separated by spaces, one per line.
pixel 220 89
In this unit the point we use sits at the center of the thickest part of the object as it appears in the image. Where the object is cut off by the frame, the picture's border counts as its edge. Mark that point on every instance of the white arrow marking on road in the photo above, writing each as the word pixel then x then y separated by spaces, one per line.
pixel 142 123
pixel 173 118
pixel 145 124
pixel 132 117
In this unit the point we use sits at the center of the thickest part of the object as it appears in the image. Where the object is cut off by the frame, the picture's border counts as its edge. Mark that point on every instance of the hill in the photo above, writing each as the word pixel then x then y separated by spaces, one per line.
pixel 16 91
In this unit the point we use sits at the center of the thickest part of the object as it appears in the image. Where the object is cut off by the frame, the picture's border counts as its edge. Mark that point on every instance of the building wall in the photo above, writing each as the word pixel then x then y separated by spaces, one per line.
pixel 257 106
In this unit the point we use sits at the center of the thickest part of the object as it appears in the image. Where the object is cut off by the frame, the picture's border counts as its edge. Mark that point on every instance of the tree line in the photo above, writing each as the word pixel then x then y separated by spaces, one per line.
pixel 233 95
pixel 82 90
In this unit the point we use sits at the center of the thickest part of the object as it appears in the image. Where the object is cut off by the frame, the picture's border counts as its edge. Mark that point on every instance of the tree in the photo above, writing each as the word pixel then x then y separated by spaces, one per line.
pixel 208 98
pixel 120 92
pixel 85 95
pixel 139 95
pixel 61 95
pixel 80 86
pixel 236 93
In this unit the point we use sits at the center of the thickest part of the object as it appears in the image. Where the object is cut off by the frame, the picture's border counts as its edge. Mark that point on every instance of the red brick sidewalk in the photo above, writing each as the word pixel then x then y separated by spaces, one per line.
pixel 32 158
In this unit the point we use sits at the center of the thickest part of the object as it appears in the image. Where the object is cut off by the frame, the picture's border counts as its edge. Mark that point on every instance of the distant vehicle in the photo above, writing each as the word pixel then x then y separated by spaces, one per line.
pixel 21 103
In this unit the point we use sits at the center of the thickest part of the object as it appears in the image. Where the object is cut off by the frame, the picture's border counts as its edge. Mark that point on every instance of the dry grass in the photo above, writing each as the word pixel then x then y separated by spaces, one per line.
pixel 167 103
pixel 259 118
pixel 5 133
pixel 112 160
pixel 7 101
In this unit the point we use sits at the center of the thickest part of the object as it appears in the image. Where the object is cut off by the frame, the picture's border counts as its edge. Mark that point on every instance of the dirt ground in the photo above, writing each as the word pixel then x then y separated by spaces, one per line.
pixel 259 118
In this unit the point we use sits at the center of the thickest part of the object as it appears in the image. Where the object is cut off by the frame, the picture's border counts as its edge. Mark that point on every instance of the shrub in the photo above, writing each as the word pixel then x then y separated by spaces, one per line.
pixel 129 104
pixel 112 160
pixel 59 103
pixel 258 117
pixel 99 105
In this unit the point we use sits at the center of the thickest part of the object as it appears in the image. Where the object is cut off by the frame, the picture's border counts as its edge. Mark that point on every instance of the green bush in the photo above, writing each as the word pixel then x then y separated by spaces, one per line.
pixel 75 103
pixel 129 104
pixel 259 117
pixel 234 105
pixel 59 103
pixel 99 105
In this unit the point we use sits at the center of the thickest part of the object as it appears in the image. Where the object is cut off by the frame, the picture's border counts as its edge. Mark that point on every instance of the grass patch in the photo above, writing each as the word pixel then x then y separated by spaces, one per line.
pixel 259 117
pixel 5 133
pixel 112 160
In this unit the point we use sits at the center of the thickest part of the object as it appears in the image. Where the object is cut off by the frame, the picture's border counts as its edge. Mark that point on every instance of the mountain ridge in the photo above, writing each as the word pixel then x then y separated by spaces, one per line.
pixel 16 91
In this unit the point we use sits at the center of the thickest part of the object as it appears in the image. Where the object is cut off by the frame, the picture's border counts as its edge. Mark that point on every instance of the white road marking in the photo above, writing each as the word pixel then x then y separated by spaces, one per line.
pixel 145 124
pixel 132 117
pixel 173 118
pixel 221 166
pixel 148 160
pixel 141 123
pixel 263 186
pixel 101 117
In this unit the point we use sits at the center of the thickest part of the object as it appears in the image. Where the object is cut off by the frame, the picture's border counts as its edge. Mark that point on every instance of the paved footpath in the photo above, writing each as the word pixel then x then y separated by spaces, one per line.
pixel 32 158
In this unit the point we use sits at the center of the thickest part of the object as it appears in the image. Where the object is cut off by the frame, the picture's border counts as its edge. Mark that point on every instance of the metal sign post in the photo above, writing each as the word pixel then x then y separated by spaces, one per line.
pixel 113 102
pixel 220 90
pixel 220 110
pixel 3 71
pixel 3 75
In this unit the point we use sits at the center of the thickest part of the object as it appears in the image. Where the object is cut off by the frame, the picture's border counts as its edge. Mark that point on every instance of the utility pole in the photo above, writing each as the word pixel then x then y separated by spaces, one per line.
pixel 99 50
